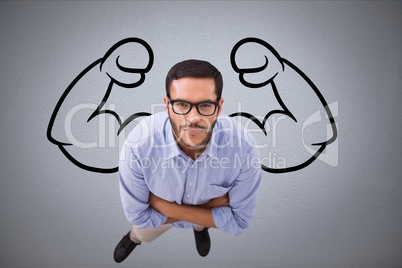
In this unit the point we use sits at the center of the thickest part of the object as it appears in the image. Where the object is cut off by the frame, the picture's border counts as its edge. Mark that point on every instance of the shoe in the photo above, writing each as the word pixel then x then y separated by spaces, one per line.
pixel 202 242
pixel 124 248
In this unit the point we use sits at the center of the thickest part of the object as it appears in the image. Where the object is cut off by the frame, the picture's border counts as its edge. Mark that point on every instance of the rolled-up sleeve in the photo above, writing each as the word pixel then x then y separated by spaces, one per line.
pixel 135 193
pixel 242 196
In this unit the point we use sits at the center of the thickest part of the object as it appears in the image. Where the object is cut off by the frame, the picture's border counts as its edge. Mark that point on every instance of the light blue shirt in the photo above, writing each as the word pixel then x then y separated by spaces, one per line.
pixel 151 161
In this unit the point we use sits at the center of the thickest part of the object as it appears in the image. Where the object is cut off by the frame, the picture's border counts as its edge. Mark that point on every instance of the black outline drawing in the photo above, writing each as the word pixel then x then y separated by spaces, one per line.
pixel 99 110
pixel 285 111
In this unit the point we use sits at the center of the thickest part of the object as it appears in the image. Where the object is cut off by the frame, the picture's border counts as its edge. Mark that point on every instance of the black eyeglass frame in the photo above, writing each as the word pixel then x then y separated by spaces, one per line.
pixel 215 103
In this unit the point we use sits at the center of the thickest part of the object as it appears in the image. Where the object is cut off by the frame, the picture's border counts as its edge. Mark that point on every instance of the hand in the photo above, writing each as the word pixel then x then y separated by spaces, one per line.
pixel 155 202
pixel 222 201
pixel 200 215
pixel 161 205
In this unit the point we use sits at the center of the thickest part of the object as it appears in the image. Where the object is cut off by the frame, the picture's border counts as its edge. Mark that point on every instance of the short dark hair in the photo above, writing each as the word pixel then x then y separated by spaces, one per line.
pixel 196 69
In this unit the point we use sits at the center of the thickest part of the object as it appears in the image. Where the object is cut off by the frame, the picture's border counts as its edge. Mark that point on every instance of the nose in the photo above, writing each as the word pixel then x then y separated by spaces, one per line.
pixel 193 116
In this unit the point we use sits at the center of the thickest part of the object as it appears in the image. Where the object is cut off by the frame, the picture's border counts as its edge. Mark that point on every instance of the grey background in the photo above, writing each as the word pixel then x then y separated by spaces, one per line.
pixel 348 214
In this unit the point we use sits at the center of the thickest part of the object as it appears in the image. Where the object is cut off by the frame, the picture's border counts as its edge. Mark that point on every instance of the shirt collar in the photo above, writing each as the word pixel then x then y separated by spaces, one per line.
pixel 171 141
pixel 211 149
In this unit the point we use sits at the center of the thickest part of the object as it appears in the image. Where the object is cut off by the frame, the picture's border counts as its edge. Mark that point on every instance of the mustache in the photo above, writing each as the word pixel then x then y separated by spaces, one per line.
pixel 193 125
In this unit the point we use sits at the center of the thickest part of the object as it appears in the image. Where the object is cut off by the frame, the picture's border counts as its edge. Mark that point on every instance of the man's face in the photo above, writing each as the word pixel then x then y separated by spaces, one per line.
pixel 192 130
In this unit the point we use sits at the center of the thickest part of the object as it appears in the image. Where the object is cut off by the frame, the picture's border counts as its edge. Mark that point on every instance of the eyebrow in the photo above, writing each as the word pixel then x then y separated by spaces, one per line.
pixel 193 102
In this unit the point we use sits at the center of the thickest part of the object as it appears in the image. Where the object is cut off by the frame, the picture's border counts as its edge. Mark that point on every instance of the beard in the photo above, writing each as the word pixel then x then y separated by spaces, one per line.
pixel 182 139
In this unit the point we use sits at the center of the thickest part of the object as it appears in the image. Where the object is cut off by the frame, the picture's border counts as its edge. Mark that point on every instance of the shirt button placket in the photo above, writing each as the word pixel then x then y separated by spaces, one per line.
pixel 190 189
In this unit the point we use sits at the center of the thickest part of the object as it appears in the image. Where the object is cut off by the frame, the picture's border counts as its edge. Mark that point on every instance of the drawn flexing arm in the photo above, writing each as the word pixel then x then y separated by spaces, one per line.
pixel 85 98
pixel 296 95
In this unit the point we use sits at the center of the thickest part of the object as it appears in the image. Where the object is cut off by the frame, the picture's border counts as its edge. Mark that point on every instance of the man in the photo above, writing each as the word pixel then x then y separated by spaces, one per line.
pixel 189 167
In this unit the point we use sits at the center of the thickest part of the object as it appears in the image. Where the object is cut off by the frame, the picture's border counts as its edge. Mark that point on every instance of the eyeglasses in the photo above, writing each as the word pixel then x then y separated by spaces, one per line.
pixel 205 108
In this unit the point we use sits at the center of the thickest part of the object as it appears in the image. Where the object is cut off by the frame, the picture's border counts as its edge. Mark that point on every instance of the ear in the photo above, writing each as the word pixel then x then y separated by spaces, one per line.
pixel 220 106
pixel 166 101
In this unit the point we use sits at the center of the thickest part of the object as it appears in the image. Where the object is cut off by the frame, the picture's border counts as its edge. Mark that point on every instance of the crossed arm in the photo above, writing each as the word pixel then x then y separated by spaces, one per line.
pixel 198 214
